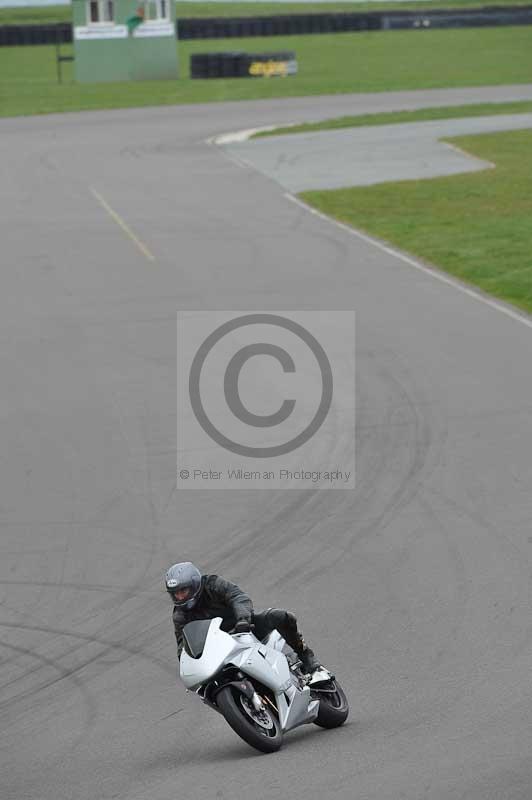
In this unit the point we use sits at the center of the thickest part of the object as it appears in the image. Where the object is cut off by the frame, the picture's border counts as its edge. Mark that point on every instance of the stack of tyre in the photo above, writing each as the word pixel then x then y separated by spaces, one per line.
pixel 242 65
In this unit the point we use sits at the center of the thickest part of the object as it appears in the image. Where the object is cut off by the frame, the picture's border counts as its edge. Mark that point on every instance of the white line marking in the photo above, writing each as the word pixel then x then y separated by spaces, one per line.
pixel 243 135
pixel 485 164
pixel 240 162
pixel 125 227
pixel 525 320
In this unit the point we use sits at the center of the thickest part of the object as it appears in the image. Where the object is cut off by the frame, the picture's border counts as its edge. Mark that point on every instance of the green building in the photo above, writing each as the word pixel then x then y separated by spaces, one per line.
pixel 124 40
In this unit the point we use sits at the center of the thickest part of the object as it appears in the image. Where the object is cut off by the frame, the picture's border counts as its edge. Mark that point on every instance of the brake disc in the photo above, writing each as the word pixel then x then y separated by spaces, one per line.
pixel 261 718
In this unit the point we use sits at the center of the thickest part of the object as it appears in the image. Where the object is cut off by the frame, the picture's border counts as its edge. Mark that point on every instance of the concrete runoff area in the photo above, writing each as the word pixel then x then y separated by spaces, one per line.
pixel 414 587
pixel 372 154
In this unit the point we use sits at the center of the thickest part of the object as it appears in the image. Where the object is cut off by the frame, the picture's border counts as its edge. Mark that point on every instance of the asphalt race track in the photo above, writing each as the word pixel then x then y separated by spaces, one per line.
pixel 371 154
pixel 415 587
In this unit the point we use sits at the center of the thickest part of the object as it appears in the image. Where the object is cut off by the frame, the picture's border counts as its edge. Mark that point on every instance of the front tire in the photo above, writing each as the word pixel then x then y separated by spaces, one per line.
pixel 263 732
pixel 334 708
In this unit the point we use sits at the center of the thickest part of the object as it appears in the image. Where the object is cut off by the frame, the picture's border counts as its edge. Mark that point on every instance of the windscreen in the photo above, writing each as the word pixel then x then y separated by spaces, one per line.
pixel 194 636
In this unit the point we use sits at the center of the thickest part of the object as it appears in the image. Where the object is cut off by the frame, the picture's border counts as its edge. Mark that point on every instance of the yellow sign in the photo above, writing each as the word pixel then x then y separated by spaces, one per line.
pixel 268 69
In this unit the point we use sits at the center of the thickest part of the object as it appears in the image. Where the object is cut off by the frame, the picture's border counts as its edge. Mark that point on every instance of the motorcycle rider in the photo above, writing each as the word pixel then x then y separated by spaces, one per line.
pixel 196 596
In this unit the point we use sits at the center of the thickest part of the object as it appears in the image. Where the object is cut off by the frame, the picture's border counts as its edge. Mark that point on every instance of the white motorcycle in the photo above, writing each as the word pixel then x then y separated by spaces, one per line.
pixel 257 686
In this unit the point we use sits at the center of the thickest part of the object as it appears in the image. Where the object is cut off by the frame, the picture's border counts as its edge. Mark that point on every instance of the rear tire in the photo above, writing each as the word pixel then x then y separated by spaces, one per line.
pixel 334 708
pixel 231 703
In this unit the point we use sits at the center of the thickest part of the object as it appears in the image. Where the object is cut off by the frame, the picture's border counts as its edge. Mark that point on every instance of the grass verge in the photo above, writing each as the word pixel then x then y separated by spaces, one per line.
pixel 328 64
pixel 476 226
pixel 395 117
pixel 20 16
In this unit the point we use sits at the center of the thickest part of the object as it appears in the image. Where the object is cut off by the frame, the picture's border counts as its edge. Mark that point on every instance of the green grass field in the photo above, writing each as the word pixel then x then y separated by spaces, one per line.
pixel 15 16
pixel 477 227
pixel 328 64
pixel 396 117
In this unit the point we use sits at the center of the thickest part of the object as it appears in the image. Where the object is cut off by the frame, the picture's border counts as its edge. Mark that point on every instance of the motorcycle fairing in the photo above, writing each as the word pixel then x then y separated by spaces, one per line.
pixel 264 662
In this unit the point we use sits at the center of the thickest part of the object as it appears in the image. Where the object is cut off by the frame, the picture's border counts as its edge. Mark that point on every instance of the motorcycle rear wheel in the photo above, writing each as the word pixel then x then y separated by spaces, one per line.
pixel 334 708
pixel 266 737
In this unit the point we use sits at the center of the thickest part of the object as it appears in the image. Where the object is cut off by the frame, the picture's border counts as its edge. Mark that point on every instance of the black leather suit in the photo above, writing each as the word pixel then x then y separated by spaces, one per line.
pixel 221 598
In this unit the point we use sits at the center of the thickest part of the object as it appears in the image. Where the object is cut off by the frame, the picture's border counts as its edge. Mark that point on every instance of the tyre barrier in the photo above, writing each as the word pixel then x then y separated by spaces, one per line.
pixel 280 25
pixel 52 33
pixel 296 24
pixel 243 65
pixel 472 18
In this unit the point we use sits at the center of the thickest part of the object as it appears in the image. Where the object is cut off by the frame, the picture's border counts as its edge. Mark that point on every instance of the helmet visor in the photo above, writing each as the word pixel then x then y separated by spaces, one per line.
pixel 182 594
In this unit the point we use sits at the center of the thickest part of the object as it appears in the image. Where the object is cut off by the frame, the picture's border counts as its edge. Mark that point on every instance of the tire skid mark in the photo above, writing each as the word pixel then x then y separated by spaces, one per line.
pixel 89 701
pixel 86 587
pixel 109 647
pixel 421 442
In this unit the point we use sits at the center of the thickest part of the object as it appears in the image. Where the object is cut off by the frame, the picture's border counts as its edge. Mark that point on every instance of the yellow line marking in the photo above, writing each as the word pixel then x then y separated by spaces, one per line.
pixel 125 227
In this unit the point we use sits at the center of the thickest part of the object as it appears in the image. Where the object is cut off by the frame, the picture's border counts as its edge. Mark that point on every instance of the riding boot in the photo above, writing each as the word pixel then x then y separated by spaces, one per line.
pixel 286 623
pixel 309 662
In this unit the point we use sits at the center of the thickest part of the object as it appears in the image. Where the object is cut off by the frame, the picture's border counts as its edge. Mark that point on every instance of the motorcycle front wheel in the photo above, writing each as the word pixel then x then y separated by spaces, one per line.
pixel 261 729
pixel 334 708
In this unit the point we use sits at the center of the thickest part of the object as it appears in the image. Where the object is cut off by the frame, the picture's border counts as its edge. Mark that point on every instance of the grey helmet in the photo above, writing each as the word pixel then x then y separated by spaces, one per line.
pixel 183 583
